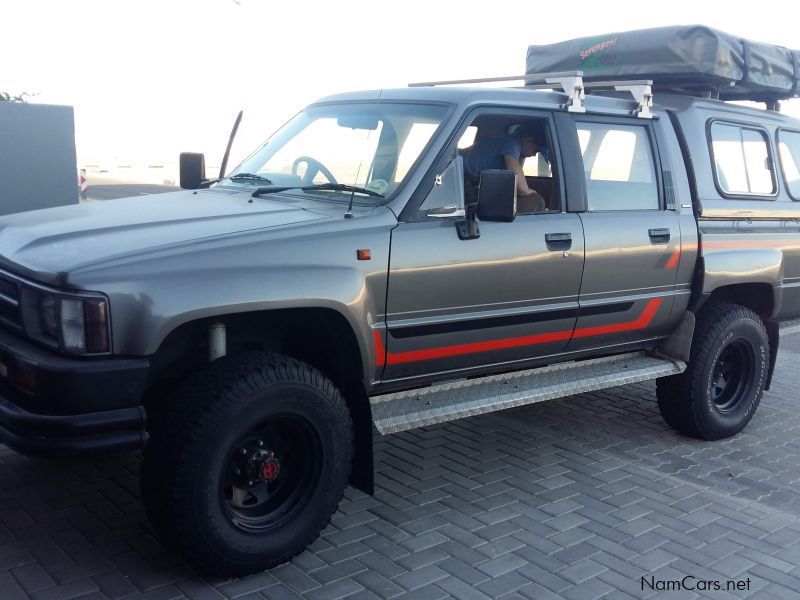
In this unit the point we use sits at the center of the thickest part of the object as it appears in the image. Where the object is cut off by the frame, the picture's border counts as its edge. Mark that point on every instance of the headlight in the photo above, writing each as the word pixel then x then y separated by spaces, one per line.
pixel 72 323
pixel 84 325
pixel 73 330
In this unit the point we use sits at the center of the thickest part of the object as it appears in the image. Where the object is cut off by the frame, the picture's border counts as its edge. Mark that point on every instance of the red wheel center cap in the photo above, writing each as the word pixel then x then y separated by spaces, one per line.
pixel 270 470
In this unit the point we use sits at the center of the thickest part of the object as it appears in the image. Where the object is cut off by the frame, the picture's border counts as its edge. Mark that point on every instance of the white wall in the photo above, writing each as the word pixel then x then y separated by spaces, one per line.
pixel 37 157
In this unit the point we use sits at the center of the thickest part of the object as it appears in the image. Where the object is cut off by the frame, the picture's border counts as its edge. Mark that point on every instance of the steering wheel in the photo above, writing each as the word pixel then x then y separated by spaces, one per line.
pixel 313 167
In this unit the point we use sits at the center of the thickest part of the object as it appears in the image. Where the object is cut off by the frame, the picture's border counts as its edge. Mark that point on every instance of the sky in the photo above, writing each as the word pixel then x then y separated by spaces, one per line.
pixel 151 78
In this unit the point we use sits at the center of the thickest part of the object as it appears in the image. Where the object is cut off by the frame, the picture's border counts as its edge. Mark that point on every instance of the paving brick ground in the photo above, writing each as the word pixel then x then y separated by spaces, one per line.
pixel 575 499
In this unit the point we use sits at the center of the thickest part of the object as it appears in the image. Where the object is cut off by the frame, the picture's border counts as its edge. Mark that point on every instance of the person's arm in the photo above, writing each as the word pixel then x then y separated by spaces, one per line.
pixel 513 164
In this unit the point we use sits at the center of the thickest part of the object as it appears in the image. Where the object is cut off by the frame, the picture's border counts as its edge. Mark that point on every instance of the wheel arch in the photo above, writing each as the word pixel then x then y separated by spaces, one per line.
pixel 760 297
pixel 740 273
pixel 320 336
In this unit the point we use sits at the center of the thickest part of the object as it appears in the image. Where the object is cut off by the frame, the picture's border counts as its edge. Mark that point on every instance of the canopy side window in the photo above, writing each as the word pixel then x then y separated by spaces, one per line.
pixel 789 151
pixel 741 159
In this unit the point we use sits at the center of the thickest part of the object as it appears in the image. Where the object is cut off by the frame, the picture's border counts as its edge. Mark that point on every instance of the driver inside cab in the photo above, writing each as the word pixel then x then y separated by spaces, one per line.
pixel 507 152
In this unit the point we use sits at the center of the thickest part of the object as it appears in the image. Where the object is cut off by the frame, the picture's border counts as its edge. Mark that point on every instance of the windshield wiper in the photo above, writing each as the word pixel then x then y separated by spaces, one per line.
pixel 336 187
pixel 249 177
pixel 237 177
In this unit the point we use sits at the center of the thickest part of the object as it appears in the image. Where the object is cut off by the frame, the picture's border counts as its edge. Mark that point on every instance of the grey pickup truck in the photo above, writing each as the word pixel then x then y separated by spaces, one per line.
pixel 251 333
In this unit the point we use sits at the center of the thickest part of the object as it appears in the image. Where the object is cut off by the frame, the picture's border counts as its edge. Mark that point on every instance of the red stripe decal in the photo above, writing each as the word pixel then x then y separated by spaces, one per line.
pixel 640 323
pixel 397 358
pixel 380 351
pixel 528 340
pixel 674 259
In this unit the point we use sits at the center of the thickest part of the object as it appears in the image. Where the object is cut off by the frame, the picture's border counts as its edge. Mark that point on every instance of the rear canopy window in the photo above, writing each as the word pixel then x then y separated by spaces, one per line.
pixel 741 160
pixel 789 149
pixel 619 167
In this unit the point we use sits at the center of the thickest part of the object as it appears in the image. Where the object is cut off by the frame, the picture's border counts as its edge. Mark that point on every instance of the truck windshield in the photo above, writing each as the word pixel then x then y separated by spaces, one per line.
pixel 371 146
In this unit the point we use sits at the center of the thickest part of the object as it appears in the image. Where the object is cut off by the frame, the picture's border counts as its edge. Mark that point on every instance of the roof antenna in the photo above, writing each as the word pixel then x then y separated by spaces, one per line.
pixel 224 166
pixel 349 213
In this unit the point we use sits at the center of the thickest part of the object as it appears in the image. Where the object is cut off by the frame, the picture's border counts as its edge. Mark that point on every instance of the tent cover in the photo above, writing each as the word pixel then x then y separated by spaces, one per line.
pixel 690 59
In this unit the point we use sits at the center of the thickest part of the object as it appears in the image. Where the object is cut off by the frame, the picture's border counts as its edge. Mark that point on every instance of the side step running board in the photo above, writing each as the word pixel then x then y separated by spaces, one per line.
pixel 789 327
pixel 401 411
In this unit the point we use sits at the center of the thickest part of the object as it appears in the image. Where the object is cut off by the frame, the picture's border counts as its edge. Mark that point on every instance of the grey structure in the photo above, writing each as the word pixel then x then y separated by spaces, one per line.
pixel 37 157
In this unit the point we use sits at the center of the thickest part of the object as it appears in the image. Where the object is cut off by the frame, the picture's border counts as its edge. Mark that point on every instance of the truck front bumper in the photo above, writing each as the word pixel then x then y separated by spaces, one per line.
pixel 55 405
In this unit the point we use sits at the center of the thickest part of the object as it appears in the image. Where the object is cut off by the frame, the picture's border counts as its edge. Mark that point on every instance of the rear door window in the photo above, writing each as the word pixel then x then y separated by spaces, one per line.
pixel 741 160
pixel 789 150
pixel 619 167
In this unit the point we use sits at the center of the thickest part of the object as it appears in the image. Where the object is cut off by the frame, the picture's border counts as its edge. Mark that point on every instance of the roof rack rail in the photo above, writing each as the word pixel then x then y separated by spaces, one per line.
pixel 572 84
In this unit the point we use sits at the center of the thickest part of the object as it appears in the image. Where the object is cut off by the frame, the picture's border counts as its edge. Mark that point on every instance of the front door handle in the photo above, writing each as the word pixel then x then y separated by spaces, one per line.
pixel 558 241
pixel 659 236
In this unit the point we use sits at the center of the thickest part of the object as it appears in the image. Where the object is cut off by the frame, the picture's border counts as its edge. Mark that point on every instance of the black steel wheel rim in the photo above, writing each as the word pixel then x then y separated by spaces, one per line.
pixel 733 376
pixel 271 473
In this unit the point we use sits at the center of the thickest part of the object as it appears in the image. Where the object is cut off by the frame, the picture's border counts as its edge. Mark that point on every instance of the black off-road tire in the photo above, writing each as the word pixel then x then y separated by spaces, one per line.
pixel 195 442
pixel 704 402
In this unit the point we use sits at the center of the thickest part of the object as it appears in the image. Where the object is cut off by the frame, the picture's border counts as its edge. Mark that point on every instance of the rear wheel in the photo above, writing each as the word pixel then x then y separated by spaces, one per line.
pixel 247 464
pixel 724 380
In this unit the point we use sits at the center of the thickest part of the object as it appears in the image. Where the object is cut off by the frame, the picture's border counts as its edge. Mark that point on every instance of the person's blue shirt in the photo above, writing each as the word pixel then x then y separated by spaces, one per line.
pixel 489 153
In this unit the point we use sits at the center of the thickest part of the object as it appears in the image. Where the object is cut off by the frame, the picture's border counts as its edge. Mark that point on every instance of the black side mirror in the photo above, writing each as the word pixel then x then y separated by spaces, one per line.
pixel 193 170
pixel 497 195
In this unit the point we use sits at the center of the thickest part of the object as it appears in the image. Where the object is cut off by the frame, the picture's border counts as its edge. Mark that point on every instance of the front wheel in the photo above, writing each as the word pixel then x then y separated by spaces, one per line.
pixel 724 380
pixel 247 464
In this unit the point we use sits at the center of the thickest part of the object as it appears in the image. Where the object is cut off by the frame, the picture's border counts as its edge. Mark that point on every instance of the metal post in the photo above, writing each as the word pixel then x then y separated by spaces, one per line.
pixel 217 341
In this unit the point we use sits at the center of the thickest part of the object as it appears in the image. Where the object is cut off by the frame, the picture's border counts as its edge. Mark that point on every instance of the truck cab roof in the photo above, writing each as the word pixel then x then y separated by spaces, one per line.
pixel 604 102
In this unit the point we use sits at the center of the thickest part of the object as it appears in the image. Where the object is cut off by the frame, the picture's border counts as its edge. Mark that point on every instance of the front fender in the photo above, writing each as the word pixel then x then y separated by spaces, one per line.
pixel 318 267
pixel 345 291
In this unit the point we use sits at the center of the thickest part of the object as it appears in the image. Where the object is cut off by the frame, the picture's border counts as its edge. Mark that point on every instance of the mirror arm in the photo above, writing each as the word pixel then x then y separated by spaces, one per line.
pixel 468 228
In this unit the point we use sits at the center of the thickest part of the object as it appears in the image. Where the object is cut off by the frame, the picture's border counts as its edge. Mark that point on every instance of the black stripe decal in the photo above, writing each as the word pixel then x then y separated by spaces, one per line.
pixel 491 322
pixel 605 309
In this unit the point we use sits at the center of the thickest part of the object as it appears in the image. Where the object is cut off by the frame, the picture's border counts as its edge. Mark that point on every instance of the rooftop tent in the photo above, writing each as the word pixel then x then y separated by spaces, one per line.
pixel 693 59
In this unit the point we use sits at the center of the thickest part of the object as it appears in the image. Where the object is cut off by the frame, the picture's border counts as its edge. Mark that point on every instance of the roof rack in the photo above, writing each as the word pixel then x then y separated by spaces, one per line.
pixel 573 85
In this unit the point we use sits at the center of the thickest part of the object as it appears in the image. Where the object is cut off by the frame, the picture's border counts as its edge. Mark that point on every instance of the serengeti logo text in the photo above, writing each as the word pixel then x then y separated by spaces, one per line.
pixel 598 47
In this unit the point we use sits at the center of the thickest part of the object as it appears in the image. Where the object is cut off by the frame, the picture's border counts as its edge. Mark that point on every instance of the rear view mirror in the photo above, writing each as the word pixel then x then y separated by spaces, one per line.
pixel 366 121
pixel 497 195
pixel 192 170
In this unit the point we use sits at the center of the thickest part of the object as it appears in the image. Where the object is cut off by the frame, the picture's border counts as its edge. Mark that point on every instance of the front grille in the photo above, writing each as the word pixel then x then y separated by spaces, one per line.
pixel 10 302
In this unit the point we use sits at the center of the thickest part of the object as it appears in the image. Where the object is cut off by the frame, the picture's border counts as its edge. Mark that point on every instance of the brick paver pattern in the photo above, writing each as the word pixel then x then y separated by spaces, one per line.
pixel 578 499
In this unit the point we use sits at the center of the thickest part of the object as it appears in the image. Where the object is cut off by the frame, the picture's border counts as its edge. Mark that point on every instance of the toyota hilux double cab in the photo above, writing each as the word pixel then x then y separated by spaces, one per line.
pixel 250 333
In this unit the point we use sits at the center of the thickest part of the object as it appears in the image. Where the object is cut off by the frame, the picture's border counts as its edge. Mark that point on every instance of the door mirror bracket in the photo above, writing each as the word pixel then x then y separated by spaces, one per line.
pixel 468 228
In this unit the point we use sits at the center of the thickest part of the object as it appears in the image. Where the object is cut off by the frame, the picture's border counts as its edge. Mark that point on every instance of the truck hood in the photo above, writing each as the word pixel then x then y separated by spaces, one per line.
pixel 53 242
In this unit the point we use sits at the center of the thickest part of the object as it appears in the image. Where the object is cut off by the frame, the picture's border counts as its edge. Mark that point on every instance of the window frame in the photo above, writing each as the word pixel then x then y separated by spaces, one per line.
pixel 778 133
pixel 449 107
pixel 649 130
pixel 715 174
pixel 449 151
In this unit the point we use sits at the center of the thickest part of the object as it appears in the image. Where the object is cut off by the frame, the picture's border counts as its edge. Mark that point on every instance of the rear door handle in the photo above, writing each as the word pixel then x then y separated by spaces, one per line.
pixel 558 241
pixel 659 235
